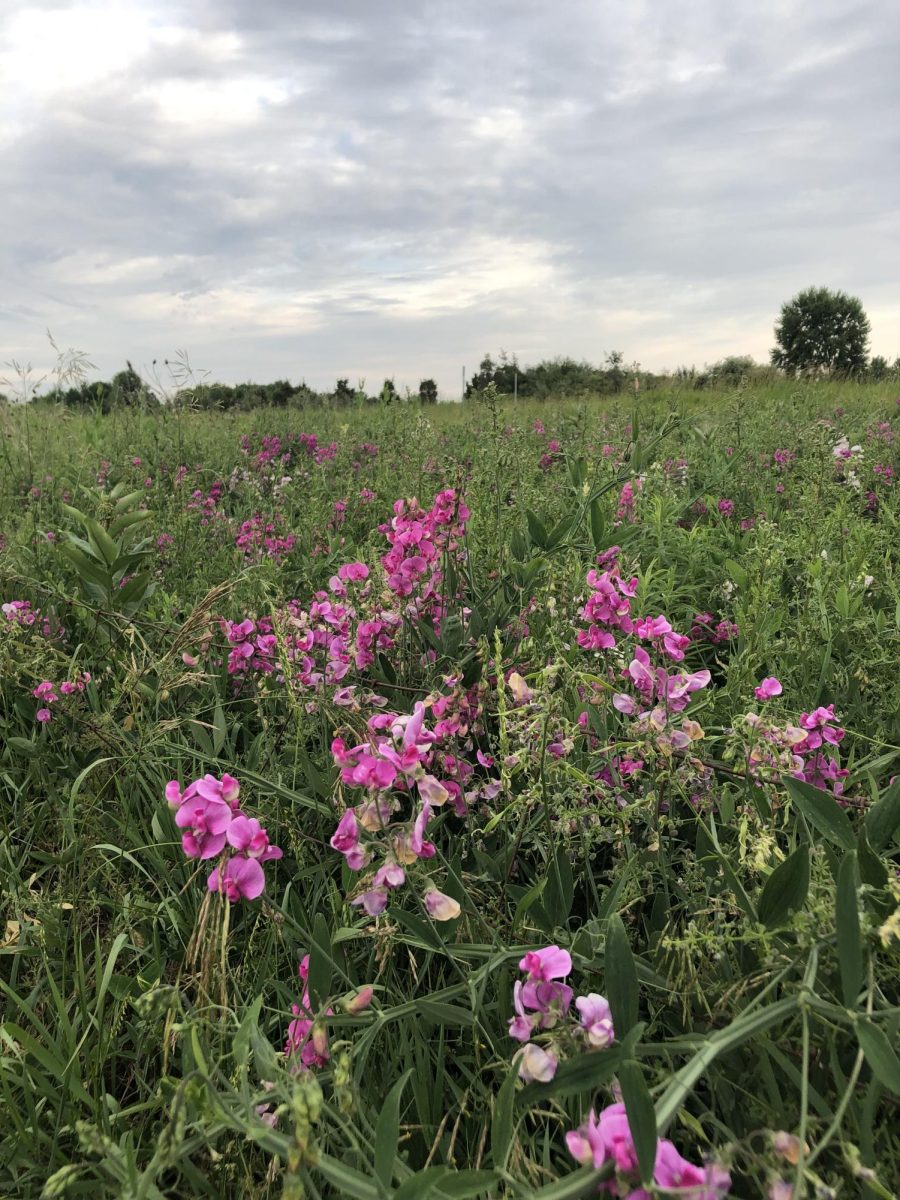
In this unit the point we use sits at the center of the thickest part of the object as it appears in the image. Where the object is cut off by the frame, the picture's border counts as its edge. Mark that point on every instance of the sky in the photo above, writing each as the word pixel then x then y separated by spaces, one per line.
pixel 370 189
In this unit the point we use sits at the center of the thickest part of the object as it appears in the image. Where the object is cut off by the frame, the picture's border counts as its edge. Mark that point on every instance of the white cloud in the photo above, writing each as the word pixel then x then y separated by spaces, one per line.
pixel 393 190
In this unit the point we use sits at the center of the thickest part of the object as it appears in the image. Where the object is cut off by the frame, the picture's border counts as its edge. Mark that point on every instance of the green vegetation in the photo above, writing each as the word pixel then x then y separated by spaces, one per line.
pixel 525 692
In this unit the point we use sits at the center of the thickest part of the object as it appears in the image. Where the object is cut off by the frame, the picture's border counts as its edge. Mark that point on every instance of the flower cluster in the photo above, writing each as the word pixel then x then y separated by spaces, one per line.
pixel 606 1140
pixel 418 539
pixel 214 825
pixel 397 759
pixel 259 538
pixel 23 614
pixel 307 1038
pixel 626 509
pixel 705 628
pixel 607 608
pixel 797 749
pixel 322 643
pixel 47 694
pixel 543 1003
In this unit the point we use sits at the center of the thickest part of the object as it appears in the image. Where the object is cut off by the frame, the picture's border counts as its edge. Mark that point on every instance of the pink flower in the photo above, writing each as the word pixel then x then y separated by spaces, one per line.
pixel 596 1019
pixel 768 688
pixel 521 1026
pixel 549 963
pixel 440 907
pixel 699 1183
pixel 536 1065
pixel 608 1139
pixel 241 878
pixel 43 715
pixel 373 901
pixel 360 1001
pixel 586 1144
pixel 247 835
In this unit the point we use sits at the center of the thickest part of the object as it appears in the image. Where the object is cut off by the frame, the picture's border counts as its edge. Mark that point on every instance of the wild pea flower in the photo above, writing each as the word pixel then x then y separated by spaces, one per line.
pixel 241 878
pixel 521 692
pixel 626 508
pixel 307 1039
pixel 546 964
pixel 536 1065
pixel 440 907
pixel 596 1019
pixel 207 811
pixel 658 630
pixel 607 608
pixel 542 1003
pixel 607 1140
pixel 768 688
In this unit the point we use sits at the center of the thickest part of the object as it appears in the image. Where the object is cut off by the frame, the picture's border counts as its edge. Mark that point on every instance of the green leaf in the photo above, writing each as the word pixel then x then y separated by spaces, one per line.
pixel 641 1117
pixel 737 573
pixel 518 546
pixel 503 1119
pixel 105 544
pixel 872 870
pixel 560 889
pixel 745 1027
pixel 574 1077
pixel 580 1183
pixel 785 889
pixel 127 520
pixel 242 1038
pixel 880 1055
pixel 883 818
pixel 443 1013
pixel 842 601
pixel 536 529
pixel 387 1132
pixel 598 525
pixel 346 1181
pixel 621 977
pixel 849 941
pixel 320 963
pixel 823 812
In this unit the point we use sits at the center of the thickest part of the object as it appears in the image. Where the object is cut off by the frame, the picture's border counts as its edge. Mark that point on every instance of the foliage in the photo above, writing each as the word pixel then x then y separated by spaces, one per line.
pixel 820 331
pixel 459 800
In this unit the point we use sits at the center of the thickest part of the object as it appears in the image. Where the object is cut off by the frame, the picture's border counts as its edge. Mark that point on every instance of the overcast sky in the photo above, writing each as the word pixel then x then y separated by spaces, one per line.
pixel 363 188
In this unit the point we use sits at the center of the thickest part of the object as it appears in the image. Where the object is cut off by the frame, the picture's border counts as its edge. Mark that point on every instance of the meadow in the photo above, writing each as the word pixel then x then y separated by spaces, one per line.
pixel 478 800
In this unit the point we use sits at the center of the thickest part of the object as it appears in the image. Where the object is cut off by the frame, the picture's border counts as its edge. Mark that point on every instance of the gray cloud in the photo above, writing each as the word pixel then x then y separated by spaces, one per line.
pixel 370 190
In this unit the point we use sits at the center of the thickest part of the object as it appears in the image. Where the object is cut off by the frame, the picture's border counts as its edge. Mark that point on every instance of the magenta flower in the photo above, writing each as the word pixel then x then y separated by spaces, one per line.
pixel 608 1139
pixel 345 840
pixel 549 963
pixel 521 1026
pixel 247 835
pixel 43 715
pixel 768 688
pixel 241 878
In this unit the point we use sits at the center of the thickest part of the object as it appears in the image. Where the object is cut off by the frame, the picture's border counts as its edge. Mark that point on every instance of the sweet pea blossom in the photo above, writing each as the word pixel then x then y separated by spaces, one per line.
pixel 769 687
pixel 441 907
pixel 241 878
pixel 596 1019
pixel 607 1139
pixel 549 963
pixel 536 1065
pixel 208 813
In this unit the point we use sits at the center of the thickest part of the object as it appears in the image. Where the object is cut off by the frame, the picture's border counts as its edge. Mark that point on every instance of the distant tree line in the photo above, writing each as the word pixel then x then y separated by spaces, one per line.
pixel 819 333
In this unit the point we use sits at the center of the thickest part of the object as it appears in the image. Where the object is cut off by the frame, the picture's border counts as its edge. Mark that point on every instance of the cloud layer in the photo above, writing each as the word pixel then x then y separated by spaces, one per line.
pixel 371 190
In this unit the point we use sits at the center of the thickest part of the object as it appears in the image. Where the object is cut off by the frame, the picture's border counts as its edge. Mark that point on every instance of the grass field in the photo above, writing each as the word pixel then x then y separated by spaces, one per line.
pixel 389 795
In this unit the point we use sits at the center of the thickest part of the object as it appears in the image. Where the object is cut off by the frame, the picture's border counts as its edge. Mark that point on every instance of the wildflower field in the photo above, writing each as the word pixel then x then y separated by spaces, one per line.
pixel 457 801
